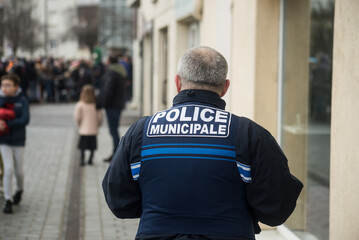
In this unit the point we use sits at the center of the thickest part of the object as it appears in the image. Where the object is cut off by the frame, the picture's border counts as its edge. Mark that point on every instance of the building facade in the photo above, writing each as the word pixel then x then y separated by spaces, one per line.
pixel 287 74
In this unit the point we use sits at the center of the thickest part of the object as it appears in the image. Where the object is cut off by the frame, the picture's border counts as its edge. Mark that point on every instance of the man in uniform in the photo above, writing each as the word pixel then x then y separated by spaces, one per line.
pixel 196 171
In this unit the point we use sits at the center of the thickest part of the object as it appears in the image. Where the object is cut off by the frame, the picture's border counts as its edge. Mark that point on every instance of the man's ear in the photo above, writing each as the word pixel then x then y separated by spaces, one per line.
pixel 178 83
pixel 225 88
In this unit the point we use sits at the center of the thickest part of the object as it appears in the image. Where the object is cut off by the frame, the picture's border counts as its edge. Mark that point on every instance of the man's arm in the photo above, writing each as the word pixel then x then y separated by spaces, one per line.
pixel 273 191
pixel 122 193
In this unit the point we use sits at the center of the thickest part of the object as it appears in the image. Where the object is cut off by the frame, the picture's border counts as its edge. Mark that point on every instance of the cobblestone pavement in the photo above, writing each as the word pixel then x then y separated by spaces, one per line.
pixel 40 215
pixel 51 165
pixel 97 220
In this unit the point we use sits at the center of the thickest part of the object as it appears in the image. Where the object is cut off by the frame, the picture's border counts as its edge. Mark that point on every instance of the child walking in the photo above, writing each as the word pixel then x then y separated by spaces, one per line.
pixel 13 119
pixel 88 120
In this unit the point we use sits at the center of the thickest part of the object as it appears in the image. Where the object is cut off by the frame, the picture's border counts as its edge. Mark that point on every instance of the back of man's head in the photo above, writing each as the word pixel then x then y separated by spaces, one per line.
pixel 202 67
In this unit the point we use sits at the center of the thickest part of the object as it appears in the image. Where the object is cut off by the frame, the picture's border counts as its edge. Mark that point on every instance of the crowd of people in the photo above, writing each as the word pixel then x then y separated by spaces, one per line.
pixel 58 80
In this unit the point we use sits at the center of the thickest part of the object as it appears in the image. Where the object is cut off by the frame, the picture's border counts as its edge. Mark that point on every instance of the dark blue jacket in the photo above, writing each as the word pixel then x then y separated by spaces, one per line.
pixel 197 170
pixel 17 134
pixel 113 88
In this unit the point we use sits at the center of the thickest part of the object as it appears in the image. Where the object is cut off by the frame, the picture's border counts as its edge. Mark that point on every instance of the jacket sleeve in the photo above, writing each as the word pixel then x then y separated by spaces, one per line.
pixel 77 114
pixel 23 119
pixel 273 191
pixel 122 193
pixel 99 118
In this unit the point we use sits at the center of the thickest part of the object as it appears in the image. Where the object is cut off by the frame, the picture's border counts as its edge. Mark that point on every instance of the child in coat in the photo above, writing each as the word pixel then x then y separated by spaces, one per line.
pixel 88 120
pixel 12 137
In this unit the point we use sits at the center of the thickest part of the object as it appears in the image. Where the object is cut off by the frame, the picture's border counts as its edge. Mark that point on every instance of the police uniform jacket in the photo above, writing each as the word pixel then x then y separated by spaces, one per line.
pixel 195 171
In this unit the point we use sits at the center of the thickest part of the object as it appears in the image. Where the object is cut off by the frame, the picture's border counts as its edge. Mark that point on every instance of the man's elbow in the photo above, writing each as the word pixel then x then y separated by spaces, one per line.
pixel 127 213
pixel 277 214
pixel 273 218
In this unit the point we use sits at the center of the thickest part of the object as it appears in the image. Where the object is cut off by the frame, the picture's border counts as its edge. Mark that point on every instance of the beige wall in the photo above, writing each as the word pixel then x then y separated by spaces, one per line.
pixel 147 84
pixel 162 21
pixel 344 177
pixel 151 10
pixel 137 85
pixel 295 106
pixel 243 58
pixel 254 61
pixel 266 64
pixel 161 15
pixel 215 31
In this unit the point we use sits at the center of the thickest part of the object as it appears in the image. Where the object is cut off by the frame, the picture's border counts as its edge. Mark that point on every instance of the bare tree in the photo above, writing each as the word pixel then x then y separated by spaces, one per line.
pixel 83 22
pixel 18 25
pixel 30 40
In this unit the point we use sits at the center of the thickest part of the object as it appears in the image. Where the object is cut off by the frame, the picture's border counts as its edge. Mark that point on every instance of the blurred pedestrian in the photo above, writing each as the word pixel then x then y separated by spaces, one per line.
pixel 49 79
pixel 12 139
pixel 127 63
pixel 40 79
pixel 88 120
pixel 82 75
pixel 112 97
pixel 32 78
pixel 20 70
pixel 98 71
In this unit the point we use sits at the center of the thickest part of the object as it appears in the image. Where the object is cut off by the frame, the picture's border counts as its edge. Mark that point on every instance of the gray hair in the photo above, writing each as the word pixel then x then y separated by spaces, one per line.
pixel 202 66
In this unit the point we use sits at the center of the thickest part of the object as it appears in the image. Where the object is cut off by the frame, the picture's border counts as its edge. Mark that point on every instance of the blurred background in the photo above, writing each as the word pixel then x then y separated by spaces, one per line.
pixel 280 55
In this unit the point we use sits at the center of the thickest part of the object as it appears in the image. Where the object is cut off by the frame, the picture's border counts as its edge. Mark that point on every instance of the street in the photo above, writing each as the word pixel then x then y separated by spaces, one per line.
pixel 51 162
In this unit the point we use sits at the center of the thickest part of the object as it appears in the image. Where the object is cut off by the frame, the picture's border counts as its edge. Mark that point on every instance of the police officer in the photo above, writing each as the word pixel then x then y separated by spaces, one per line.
pixel 196 171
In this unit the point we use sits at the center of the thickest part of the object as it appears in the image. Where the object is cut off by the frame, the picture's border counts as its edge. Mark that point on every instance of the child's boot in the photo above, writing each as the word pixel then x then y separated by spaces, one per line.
pixel 17 197
pixel 7 207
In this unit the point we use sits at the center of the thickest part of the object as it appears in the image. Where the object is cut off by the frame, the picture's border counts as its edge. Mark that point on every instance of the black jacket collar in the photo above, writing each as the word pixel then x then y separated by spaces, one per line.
pixel 202 96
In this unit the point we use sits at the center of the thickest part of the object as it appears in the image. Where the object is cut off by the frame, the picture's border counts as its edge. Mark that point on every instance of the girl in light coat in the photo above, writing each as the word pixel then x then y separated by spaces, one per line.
pixel 88 120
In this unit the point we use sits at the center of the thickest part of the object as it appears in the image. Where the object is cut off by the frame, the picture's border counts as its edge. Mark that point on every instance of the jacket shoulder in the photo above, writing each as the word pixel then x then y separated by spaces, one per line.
pixel 22 98
pixel 251 126
pixel 137 127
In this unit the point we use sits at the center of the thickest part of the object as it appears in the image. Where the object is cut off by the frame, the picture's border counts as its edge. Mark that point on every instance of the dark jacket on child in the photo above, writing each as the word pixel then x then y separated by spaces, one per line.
pixel 17 134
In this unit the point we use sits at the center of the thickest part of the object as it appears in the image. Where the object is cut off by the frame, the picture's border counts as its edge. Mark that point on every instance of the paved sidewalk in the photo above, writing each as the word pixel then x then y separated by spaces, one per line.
pixel 51 162
pixel 98 223
pixel 40 215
